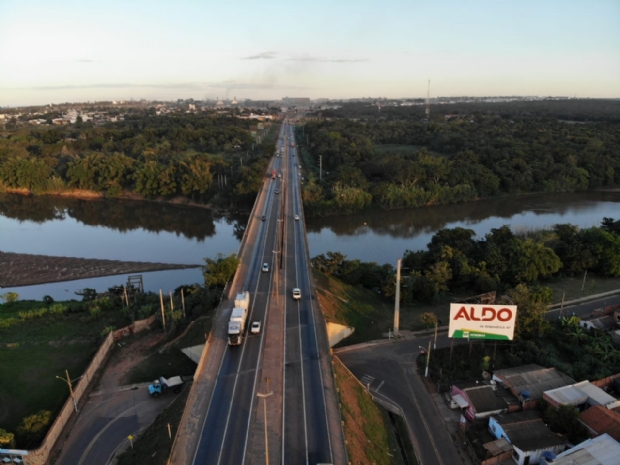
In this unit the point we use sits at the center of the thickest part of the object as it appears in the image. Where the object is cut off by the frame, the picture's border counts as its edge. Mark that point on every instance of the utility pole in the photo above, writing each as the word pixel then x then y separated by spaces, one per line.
pixel 70 384
pixel 397 299
pixel 163 313
pixel 320 167
pixel 428 102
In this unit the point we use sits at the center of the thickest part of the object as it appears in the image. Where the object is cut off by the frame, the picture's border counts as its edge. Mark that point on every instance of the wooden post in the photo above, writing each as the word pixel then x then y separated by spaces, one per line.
pixel 126 296
pixel 183 302
pixel 171 302
pixel 163 313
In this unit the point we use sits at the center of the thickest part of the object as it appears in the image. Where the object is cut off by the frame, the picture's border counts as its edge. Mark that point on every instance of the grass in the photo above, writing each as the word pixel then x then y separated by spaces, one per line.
pixel 368 429
pixel 33 352
pixel 370 315
pixel 153 446
pixel 571 287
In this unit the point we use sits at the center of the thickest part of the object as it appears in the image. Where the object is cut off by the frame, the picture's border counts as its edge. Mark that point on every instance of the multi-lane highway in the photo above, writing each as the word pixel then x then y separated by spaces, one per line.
pixel 299 400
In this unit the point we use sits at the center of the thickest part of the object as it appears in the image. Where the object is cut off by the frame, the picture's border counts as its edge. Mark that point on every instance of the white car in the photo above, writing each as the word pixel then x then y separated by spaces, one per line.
pixel 296 294
pixel 265 267
pixel 255 328
pixel 277 191
pixel 296 217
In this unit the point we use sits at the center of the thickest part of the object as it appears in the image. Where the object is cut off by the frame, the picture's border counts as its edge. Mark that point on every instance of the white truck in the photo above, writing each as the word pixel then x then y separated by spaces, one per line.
pixel 162 384
pixel 238 318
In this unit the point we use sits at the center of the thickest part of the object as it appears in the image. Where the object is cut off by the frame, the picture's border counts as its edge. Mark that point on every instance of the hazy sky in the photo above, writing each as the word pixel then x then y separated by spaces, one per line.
pixel 65 51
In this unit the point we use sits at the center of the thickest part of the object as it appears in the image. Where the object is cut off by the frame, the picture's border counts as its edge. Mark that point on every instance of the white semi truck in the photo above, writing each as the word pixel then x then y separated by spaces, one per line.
pixel 238 318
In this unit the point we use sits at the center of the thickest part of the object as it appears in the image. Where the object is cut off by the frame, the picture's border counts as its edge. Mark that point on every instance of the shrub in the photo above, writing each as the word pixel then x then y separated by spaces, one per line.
pixel 32 429
pixel 7 440
pixel 9 297
pixel 58 309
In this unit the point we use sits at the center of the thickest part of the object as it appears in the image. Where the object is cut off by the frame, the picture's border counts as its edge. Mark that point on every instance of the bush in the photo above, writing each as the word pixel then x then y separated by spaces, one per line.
pixel 7 440
pixel 32 429
pixel 9 297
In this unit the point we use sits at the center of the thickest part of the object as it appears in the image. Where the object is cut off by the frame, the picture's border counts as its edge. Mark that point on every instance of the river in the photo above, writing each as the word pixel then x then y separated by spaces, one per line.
pixel 146 231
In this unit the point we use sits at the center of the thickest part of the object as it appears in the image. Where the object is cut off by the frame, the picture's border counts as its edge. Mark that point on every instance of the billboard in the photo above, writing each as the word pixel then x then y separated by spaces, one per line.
pixel 494 322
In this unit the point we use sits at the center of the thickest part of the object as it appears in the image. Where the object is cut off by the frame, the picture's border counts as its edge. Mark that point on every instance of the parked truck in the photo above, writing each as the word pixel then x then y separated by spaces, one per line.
pixel 238 318
pixel 162 384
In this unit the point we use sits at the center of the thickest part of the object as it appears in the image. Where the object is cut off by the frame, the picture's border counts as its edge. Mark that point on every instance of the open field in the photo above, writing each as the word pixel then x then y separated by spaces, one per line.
pixel 34 351
pixel 571 287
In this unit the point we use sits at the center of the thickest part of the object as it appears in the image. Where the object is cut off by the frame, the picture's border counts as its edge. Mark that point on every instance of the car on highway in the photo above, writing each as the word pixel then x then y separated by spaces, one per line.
pixel 296 217
pixel 296 294
pixel 277 191
pixel 263 218
pixel 255 328
pixel 265 267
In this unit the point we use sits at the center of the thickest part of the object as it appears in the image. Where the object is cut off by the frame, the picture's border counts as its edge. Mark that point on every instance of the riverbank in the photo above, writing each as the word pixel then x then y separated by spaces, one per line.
pixel 84 194
pixel 18 269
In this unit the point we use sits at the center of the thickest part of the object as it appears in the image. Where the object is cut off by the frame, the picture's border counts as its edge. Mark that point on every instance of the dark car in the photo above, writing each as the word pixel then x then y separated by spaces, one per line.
pixel 263 218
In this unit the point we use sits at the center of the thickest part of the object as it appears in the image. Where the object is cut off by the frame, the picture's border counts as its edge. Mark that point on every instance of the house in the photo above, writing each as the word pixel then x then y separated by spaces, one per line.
pixel 483 400
pixel 600 420
pixel 602 450
pixel 580 395
pixel 528 434
pixel 527 383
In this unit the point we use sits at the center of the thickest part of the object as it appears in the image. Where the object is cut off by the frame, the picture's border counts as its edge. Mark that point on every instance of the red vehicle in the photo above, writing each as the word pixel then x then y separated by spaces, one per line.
pixel 273 174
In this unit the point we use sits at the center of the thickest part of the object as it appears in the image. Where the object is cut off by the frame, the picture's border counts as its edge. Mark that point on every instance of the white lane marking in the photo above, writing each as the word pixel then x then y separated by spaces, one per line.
pixel 380 384
pixel 316 342
pixel 254 255
pixel 367 380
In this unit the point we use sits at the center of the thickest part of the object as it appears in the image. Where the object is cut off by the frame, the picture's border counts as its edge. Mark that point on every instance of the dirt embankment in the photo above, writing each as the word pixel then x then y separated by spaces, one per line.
pixel 26 270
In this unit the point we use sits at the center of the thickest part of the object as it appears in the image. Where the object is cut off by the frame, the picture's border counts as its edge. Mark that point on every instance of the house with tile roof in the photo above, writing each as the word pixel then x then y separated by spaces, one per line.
pixel 600 420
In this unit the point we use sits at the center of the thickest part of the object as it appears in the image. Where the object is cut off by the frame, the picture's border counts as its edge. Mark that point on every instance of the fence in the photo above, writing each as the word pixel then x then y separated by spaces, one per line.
pixel 41 455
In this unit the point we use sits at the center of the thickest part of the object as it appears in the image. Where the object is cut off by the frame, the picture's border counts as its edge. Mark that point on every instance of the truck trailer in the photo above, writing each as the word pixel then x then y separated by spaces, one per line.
pixel 236 326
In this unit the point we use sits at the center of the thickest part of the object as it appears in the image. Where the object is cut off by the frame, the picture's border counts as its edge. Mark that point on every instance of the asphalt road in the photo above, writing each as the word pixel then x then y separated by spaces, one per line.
pixel 225 433
pixel 106 420
pixel 306 437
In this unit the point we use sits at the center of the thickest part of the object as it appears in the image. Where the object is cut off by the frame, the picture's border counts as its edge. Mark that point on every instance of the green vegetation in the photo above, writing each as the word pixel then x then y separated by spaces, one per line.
pixel 153 445
pixel 40 340
pixel 367 427
pixel 395 160
pixel 206 158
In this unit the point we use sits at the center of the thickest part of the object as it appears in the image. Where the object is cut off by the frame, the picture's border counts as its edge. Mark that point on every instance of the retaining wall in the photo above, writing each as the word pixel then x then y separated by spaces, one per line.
pixel 41 455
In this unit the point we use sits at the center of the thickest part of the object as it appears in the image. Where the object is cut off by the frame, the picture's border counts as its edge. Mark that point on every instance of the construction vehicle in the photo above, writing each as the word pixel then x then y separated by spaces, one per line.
pixel 162 384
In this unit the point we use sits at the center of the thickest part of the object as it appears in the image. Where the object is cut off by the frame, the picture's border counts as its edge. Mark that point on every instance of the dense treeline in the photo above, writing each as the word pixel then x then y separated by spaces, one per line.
pixel 386 162
pixel 457 262
pixel 205 158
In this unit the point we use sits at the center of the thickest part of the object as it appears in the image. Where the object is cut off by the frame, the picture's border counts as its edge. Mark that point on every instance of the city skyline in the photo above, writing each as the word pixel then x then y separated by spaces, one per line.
pixel 67 51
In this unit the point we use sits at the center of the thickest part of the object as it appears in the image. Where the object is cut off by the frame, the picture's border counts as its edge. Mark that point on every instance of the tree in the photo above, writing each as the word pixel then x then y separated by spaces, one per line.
pixel 32 429
pixel 218 272
pixel 531 310
pixel 7 440
pixel 10 297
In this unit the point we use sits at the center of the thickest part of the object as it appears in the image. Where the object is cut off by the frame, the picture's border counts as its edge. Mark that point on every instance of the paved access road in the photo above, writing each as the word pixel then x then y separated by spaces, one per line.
pixel 390 372
pixel 106 420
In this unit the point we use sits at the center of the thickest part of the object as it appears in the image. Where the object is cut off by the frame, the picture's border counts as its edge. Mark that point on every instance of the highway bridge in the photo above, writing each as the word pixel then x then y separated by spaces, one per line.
pixel 271 399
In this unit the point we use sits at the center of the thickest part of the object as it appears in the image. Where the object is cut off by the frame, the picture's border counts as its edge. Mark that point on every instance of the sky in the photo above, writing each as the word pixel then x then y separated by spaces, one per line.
pixel 85 50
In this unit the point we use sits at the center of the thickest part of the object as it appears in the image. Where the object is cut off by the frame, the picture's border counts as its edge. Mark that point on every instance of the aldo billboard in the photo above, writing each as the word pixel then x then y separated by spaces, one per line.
pixel 495 322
